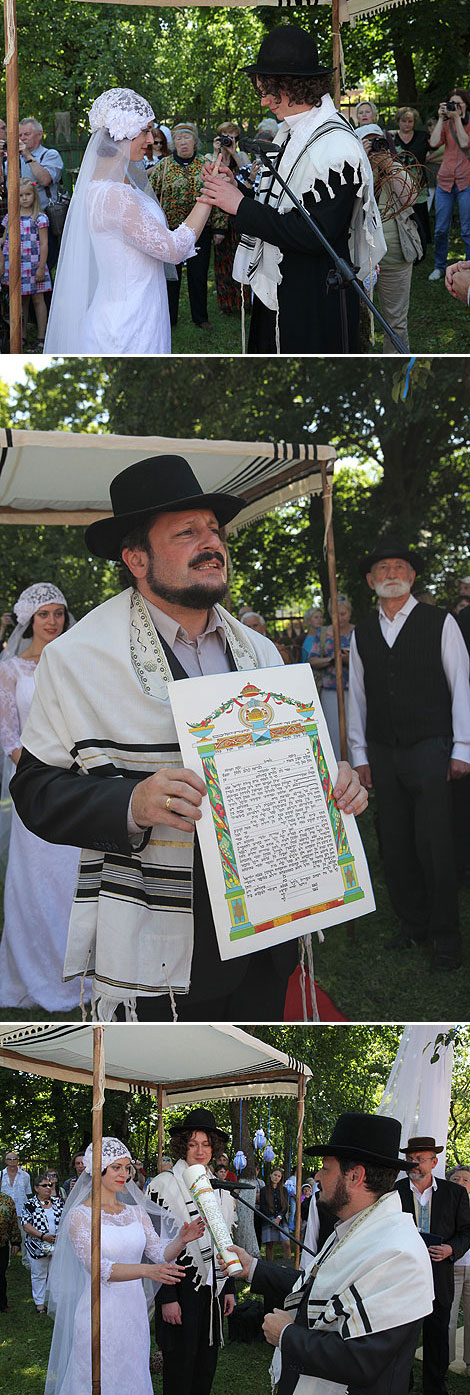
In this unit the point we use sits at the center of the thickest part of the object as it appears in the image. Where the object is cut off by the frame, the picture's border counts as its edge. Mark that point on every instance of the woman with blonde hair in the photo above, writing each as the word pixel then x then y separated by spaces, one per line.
pixel 412 147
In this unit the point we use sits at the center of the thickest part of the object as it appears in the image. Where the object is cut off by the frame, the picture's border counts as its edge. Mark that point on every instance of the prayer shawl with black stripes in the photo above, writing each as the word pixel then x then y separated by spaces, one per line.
pixel 101 704
pixel 320 143
pixel 371 1278
pixel 199 1258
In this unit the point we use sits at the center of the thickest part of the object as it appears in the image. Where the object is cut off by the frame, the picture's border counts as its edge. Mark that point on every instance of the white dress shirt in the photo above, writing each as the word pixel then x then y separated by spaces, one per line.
pixel 456 665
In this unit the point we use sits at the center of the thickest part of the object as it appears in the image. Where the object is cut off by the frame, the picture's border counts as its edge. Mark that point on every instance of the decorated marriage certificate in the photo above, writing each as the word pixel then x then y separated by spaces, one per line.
pixel 280 858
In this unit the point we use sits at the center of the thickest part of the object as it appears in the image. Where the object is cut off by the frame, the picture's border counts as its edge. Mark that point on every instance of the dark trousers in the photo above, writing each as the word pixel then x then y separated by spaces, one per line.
pixel 415 818
pixel 4 1257
pixel 189 1361
pixel 196 268
pixel 260 997
pixel 436 1349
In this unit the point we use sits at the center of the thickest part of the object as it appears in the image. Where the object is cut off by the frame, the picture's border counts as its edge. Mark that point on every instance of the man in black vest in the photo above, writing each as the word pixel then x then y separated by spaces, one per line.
pixel 442 1214
pixel 168 533
pixel 409 733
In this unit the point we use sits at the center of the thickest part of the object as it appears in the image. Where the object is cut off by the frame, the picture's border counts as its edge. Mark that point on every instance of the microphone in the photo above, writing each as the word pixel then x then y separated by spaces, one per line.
pixel 260 147
pixel 230 1186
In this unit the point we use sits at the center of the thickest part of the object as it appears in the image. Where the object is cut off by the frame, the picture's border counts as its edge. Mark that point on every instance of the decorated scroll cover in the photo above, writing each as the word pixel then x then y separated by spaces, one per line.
pixel 198 1183
pixel 280 858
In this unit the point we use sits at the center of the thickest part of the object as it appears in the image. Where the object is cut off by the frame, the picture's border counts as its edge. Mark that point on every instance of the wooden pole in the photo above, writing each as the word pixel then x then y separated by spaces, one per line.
pixel 97 1138
pixel 336 53
pixel 327 482
pixel 300 1149
pixel 160 1127
pixel 13 116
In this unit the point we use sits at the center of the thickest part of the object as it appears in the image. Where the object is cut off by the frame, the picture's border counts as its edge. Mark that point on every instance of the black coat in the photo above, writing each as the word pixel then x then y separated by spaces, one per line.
pixel 377 1364
pixel 309 316
pixel 450 1219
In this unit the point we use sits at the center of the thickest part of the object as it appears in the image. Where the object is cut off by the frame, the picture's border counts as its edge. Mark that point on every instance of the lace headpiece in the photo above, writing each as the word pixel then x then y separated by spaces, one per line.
pixel 31 600
pixel 111 1150
pixel 121 112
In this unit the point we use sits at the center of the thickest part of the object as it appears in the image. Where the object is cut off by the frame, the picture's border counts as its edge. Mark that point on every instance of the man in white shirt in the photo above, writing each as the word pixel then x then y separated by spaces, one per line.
pixel 15 1181
pixel 409 734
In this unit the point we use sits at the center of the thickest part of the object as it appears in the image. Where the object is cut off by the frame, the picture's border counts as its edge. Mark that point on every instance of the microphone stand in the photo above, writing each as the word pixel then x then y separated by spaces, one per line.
pixel 233 1188
pixel 342 276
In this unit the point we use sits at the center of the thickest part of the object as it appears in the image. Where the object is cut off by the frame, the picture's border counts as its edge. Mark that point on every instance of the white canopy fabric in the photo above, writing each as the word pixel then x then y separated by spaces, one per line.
pixel 348 9
pixel 63 477
pixel 190 1062
pixel 418 1092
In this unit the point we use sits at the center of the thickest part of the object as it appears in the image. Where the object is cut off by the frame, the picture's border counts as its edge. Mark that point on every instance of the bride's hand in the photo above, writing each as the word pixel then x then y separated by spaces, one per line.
pixel 191 1230
pixel 166 1273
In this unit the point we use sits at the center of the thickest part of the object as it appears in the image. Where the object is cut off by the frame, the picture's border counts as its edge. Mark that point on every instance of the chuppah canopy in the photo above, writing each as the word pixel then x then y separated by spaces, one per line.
pixel 64 477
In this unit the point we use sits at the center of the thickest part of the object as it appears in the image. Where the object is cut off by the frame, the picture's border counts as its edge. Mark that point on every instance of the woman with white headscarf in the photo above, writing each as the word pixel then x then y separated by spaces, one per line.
pixel 131 1227
pixel 110 291
pixel 40 879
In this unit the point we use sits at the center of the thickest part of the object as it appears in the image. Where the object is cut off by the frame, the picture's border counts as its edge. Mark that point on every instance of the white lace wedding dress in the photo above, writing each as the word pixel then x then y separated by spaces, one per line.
pixel 125 1331
pixel 39 884
pixel 129 311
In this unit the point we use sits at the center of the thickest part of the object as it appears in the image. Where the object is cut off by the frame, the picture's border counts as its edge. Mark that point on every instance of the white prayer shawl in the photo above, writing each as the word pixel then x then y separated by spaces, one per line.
pixel 101 703
pixel 311 156
pixel 171 1191
pixel 377 1277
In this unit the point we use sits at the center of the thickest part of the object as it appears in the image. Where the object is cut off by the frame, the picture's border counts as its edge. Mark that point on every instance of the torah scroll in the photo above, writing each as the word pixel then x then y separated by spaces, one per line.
pixel 198 1184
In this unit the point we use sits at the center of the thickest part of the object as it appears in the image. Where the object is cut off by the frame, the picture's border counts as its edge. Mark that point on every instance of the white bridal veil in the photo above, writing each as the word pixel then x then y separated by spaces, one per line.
pixel 116 118
pixel 68 1276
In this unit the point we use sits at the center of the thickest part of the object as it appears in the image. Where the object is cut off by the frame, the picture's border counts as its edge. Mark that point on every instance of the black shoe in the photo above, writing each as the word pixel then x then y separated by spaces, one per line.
pixel 407 937
pixel 446 963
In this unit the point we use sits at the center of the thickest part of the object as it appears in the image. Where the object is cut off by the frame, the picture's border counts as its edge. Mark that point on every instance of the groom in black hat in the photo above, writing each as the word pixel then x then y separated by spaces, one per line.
pixel 322 160
pixel 351 1317
pixel 409 734
pixel 141 921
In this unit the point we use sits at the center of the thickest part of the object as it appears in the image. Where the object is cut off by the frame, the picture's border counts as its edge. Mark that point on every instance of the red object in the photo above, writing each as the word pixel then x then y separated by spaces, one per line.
pixel 293 1004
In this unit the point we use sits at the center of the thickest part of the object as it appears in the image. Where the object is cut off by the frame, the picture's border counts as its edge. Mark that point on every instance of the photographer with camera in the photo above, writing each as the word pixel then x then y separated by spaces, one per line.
pixel 226 243
pixel 453 181
pixel 396 190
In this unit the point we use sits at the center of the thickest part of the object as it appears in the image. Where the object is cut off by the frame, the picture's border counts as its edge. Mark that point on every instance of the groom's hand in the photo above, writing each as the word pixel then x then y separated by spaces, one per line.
pixel 171 1312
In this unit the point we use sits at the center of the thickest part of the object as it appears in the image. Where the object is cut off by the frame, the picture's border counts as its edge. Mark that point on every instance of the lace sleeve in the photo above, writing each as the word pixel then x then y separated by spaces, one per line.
pixel 118 208
pixel 154 1246
pixel 80 1237
pixel 10 733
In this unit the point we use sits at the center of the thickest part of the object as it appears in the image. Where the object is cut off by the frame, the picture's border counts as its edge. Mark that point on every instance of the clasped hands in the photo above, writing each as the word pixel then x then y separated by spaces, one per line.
pixel 173 796
pixel 220 189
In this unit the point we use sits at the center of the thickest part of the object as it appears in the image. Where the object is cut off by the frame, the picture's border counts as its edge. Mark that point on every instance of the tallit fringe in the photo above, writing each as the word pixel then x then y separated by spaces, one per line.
pixel 278 334
pixel 307 948
pixel 243 316
pixel 104 1009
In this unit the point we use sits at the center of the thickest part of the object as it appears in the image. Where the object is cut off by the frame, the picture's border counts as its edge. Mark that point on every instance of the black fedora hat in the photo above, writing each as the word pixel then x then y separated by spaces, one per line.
pixel 423 1141
pixel 157 485
pixel 287 51
pixel 365 1138
pixel 390 545
pixel 202 1119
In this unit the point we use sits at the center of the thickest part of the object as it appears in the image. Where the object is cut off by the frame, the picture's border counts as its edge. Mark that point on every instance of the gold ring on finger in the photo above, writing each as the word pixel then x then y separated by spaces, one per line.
pixel 167 805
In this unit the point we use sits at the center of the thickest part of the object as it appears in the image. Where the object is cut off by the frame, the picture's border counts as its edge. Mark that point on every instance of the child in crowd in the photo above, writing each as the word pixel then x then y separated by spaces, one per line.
pixel 35 275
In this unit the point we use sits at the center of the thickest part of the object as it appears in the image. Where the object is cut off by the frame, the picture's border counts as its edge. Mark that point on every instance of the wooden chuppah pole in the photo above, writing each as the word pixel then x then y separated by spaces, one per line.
pixel 97 1139
pixel 330 546
pixel 160 1126
pixel 13 117
pixel 336 53
pixel 298 1177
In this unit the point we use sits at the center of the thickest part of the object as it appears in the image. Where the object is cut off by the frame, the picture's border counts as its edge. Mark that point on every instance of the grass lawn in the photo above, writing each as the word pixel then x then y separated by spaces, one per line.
pixel 368 981
pixel 25 1340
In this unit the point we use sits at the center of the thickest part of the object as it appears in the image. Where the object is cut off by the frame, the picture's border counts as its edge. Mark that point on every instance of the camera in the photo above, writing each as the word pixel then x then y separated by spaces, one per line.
pixel 225 140
pixel 451 106
pixel 379 143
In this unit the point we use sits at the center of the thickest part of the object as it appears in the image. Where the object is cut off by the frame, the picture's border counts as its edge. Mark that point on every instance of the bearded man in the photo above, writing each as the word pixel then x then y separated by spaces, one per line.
pixel 409 734
pixel 141 921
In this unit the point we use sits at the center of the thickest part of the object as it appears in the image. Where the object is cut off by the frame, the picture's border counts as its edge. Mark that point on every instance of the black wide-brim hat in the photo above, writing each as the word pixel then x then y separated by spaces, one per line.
pixel 287 51
pixel 390 545
pixel 364 1138
pixel 202 1119
pixel 161 484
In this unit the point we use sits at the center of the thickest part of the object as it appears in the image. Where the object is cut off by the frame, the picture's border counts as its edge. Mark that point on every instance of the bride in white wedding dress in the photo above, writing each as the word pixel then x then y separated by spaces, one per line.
pixel 110 291
pixel 127 1233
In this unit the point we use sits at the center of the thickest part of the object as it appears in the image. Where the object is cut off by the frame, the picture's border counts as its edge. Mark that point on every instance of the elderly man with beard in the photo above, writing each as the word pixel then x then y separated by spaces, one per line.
pixel 141 920
pixel 351 1319
pixel 409 734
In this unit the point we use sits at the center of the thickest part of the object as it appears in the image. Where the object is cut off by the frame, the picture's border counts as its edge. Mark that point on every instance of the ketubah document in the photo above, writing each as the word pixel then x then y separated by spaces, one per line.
pixel 280 858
